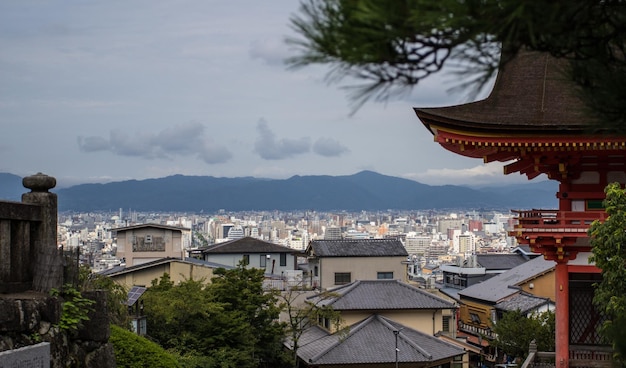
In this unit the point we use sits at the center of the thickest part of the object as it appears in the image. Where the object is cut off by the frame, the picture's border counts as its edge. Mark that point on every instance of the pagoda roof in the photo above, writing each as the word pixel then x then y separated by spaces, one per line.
pixel 532 95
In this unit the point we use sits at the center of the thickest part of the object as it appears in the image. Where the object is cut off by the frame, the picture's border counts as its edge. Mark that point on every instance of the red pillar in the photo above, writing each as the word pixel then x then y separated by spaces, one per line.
pixel 562 314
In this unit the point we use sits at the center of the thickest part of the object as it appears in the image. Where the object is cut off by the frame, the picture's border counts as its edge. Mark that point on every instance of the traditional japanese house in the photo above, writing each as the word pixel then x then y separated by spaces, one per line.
pixel 535 122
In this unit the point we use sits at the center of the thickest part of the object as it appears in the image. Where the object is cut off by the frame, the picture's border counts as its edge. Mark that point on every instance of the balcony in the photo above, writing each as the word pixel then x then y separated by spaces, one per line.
pixel 537 223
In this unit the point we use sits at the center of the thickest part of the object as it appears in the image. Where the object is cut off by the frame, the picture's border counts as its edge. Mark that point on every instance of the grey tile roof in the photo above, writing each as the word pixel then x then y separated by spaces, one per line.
pixel 118 270
pixel 499 287
pixel 357 248
pixel 500 261
pixel 373 341
pixel 382 295
pixel 245 245
pixel 158 226
pixel 523 302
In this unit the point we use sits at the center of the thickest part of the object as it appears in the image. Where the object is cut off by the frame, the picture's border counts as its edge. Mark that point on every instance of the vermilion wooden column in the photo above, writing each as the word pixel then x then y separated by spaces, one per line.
pixel 562 314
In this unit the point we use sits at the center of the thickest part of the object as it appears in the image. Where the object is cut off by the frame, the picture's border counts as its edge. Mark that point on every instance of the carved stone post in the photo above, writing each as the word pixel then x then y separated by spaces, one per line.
pixel 47 260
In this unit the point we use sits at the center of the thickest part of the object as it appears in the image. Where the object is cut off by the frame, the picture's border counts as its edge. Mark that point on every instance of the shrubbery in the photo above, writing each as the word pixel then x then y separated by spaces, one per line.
pixel 133 351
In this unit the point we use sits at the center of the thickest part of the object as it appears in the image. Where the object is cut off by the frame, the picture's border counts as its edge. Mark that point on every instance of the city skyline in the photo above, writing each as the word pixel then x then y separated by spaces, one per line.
pixel 99 92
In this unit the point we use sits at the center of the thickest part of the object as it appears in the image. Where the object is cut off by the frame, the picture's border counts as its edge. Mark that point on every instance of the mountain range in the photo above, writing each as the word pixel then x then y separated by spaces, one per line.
pixel 365 190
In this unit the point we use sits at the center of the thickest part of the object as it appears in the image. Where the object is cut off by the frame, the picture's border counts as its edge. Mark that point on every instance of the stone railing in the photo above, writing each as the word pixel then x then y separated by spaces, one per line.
pixel 29 258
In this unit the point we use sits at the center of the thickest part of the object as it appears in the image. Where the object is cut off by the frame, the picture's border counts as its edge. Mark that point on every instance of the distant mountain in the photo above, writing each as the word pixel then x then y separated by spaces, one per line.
pixel 11 187
pixel 365 190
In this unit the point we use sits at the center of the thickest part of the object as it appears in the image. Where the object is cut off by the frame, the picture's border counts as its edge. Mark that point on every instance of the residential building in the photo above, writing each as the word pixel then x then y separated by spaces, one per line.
pixel 273 258
pixel 178 270
pixel 144 243
pixel 333 263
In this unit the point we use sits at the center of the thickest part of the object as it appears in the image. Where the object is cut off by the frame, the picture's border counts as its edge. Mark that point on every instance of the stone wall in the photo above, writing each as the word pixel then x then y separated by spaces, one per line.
pixel 30 318
pixel 30 267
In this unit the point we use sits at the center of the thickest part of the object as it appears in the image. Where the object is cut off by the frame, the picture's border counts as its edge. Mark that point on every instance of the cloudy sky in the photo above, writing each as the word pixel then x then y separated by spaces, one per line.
pixel 100 91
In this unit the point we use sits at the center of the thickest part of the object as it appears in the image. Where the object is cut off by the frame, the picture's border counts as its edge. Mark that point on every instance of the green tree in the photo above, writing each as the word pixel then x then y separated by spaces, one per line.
pixel 608 240
pixel 117 295
pixel 301 313
pixel 515 331
pixel 133 351
pixel 241 292
pixel 391 45
pixel 230 322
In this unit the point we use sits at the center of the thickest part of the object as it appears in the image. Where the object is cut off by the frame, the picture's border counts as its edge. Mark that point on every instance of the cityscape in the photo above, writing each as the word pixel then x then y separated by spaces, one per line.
pixel 430 237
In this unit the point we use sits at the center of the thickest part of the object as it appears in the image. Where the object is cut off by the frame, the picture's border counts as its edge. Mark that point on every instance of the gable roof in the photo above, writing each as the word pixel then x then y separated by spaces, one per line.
pixel 523 302
pixel 247 244
pixel 372 341
pixel 505 284
pixel 381 295
pixel 500 261
pixel 120 270
pixel 157 226
pixel 357 248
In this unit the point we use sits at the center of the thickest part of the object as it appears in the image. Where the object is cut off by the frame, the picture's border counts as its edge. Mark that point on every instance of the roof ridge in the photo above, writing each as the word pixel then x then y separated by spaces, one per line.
pixel 339 341
pixel 405 338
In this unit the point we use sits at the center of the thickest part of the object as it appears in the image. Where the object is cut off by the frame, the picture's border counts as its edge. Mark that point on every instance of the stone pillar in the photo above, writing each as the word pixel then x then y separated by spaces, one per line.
pixel 47 259
pixel 562 314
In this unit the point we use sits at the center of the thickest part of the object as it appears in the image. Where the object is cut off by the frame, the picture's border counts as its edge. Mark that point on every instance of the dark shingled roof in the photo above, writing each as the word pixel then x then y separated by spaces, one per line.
pixel 373 341
pixel 357 248
pixel 505 284
pixel 531 95
pixel 245 245
pixel 118 270
pixel 381 295
pixel 523 302
pixel 500 261
pixel 157 226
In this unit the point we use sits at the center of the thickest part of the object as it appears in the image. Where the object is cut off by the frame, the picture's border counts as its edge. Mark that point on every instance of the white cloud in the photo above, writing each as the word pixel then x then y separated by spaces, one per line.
pixel 271 148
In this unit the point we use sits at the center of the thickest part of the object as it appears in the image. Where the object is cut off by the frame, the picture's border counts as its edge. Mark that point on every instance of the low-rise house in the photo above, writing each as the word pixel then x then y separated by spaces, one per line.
pixel 376 341
pixel 397 300
pixel 333 263
pixel 275 259
pixel 178 269
pixel 528 288
pixel 144 243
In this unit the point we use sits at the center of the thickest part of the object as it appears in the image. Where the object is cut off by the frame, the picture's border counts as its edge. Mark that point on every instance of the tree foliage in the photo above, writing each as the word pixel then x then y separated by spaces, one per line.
pixel 133 351
pixel 391 45
pixel 230 322
pixel 515 331
pixel 116 294
pixel 301 313
pixel 608 240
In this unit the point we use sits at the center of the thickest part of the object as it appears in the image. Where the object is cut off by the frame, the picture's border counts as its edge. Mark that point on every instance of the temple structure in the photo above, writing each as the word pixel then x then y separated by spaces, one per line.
pixel 535 122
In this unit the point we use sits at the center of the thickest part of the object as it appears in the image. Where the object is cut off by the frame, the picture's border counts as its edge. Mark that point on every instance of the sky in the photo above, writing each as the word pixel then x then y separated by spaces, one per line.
pixel 101 91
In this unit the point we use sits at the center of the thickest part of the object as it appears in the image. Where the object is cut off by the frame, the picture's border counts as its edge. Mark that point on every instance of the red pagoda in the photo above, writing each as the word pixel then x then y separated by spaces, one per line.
pixel 534 121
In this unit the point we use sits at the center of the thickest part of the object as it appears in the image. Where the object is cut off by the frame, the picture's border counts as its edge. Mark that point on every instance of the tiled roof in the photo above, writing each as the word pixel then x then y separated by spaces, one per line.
pixel 500 286
pixel 531 96
pixel 381 295
pixel 523 302
pixel 118 270
pixel 158 226
pixel 246 245
pixel 357 248
pixel 500 261
pixel 373 341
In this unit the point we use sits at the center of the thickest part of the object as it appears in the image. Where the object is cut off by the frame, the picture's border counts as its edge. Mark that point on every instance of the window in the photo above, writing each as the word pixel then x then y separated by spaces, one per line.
pixel 246 259
pixel 316 271
pixel 263 260
pixel 475 318
pixel 384 275
pixel 283 259
pixel 148 238
pixel 342 278
pixel 445 325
